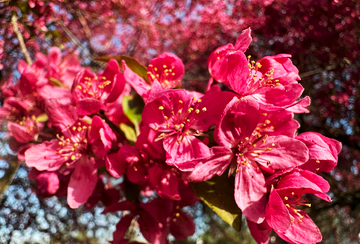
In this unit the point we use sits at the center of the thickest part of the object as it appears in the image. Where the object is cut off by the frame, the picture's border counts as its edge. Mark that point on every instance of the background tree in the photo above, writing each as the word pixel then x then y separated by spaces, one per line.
pixel 322 36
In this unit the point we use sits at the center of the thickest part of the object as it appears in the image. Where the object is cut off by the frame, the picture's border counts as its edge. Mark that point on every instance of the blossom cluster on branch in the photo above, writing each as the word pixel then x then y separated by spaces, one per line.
pixel 78 130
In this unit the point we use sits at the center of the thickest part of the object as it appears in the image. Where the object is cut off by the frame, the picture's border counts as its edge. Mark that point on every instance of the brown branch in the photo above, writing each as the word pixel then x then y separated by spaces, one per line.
pixel 317 71
pixel 21 39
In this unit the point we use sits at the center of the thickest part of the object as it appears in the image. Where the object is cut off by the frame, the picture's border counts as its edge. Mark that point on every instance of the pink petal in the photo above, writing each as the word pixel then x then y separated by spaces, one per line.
pixel 122 227
pixel 218 63
pixel 44 156
pixel 215 165
pixel 244 40
pixel 54 55
pixel 276 213
pixel 82 182
pixel 88 106
pixel 181 154
pixel 238 72
pixel 238 121
pixel 117 88
pixel 182 226
pixel 210 111
pixel 116 163
pixel 138 83
pixel 281 152
pixel 167 68
pixel 260 232
pixel 61 112
pixel 302 230
pixel 249 188
pixel 323 152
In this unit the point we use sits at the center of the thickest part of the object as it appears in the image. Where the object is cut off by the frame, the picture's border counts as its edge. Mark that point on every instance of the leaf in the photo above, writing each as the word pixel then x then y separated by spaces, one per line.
pixel 132 63
pixel 128 131
pixel 218 194
pixel 7 178
pixel 132 106
pixel 56 82
pixel 42 118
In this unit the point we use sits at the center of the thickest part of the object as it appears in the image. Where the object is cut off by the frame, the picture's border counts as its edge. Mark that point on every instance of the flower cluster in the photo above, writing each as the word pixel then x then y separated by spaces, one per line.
pixel 78 129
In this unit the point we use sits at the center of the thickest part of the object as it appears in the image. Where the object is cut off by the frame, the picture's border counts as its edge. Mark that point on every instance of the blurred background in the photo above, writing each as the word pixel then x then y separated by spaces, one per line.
pixel 322 36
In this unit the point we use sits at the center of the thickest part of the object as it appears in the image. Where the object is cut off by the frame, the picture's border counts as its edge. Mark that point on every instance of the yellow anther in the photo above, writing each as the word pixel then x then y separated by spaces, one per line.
pixel 76 144
pixel 161 107
pixel 155 69
pixel 318 161
pixel 247 138
pixel 164 66
pixel 199 100
pixel 273 144
pixel 258 65
pixel 203 109
pixel 286 198
pixel 197 111
pixel 79 87
pixel 165 117
pixel 73 157
pixel 156 128
pixel 180 101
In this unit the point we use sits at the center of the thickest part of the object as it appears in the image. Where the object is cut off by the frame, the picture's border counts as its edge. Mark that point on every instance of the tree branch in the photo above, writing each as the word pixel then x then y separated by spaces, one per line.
pixel 21 39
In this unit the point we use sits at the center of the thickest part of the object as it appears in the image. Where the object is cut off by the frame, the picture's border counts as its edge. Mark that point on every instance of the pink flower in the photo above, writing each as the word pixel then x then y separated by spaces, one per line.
pixel 249 152
pixel 21 118
pixel 91 92
pixel 272 80
pixel 291 224
pixel 164 72
pixel 101 137
pixel 323 152
pixel 218 62
pixel 68 153
pixel 157 219
pixel 178 119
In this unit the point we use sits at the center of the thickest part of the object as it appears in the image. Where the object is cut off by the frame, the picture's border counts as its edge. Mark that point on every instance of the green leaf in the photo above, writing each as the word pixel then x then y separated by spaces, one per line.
pixel 56 82
pixel 132 106
pixel 7 178
pixel 128 131
pixel 132 63
pixel 218 194
pixel 42 118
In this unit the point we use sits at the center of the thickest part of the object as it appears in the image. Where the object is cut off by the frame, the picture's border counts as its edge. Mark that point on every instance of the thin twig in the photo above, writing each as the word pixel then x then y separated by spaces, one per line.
pixel 21 39
pixel 79 44
pixel 74 39
pixel 84 25
pixel 317 71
